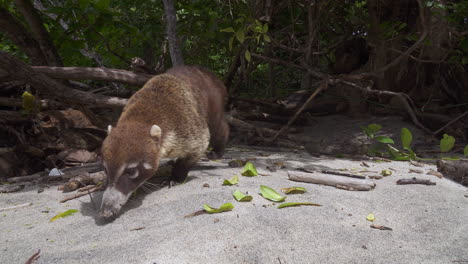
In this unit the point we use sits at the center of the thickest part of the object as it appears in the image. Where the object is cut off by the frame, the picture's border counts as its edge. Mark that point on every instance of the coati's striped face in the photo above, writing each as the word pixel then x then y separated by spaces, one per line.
pixel 130 158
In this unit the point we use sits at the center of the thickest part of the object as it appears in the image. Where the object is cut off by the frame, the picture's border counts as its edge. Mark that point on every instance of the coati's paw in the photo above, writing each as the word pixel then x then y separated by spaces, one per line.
pixel 211 155
pixel 170 183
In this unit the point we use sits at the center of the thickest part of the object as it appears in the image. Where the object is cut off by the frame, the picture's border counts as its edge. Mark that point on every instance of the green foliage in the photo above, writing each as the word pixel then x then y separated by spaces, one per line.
pixel 447 143
pixel 371 129
pixel 406 138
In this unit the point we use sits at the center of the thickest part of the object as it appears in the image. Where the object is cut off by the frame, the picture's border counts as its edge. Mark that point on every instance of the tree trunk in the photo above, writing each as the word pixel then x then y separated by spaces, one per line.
pixel 44 84
pixel 39 32
pixel 20 36
pixel 174 47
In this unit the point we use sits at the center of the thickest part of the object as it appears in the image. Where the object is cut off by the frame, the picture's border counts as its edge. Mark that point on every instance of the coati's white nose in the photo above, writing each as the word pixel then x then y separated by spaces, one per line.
pixel 112 202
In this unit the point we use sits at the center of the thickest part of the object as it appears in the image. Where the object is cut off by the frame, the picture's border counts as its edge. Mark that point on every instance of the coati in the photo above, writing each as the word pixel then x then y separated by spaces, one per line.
pixel 175 115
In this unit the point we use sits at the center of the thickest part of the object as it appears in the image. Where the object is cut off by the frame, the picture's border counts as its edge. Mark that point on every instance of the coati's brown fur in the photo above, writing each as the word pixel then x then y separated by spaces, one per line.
pixel 175 115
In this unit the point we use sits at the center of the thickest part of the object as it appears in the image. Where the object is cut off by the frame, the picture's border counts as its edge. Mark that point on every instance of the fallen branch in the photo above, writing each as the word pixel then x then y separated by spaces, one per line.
pixel 450 123
pixel 78 195
pixel 9 188
pixel 33 258
pixel 15 207
pixel 322 87
pixel 20 70
pixel 81 181
pixel 67 172
pixel 414 181
pixel 96 74
pixel 400 96
pixel 332 172
pixel 341 182
pixel 457 170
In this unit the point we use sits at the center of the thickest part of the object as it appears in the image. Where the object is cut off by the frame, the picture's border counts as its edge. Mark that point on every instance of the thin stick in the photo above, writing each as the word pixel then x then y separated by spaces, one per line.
pixel 323 86
pixel 78 195
pixel 449 123
pixel 15 207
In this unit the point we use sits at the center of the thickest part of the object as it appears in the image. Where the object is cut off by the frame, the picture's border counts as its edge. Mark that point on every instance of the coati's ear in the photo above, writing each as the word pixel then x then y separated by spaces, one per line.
pixel 155 132
pixel 109 128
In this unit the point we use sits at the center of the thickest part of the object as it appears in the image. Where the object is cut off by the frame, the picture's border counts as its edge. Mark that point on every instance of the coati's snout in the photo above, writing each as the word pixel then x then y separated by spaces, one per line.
pixel 128 165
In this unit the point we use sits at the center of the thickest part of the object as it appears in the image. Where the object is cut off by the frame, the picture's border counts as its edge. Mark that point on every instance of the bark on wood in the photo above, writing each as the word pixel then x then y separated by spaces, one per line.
pixel 12 117
pixel 415 181
pixel 341 182
pixel 20 36
pixel 83 180
pixel 22 71
pixel 67 173
pixel 171 21
pixel 96 74
pixel 39 32
pixel 457 170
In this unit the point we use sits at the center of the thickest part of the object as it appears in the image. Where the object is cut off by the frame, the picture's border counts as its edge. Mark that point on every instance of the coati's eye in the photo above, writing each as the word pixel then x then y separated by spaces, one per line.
pixel 131 172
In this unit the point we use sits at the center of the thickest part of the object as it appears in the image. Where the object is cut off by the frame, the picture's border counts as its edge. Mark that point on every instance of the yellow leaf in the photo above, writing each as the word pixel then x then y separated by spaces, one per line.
pixel 370 217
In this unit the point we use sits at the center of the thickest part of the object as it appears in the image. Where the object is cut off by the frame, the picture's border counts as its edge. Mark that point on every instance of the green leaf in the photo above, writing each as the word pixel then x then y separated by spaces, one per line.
pixel 240 197
pixel 465 150
pixel 64 214
pixel 385 140
pixel 233 180
pixel 249 170
pixel 294 190
pixel 447 143
pixel 83 3
pixel 265 28
pixel 270 194
pixel 231 40
pixel 247 55
pixel 396 154
pixel 240 35
pixel 229 29
pixel 386 172
pixel 371 129
pixel 102 4
pixel 224 208
pixel 266 38
pixel 283 205
pixel 28 102
pixel 406 138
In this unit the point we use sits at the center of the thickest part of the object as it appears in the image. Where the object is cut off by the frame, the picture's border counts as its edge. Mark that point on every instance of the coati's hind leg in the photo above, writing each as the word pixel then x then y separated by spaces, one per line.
pixel 182 167
pixel 218 140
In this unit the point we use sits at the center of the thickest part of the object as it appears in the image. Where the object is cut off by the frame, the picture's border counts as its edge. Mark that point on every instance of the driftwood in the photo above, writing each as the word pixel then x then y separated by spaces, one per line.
pixel 9 188
pixel 457 170
pixel 15 207
pixel 313 169
pixel 67 173
pixel 347 183
pixel 33 259
pixel 97 74
pixel 414 181
pixel 20 70
pixel 84 180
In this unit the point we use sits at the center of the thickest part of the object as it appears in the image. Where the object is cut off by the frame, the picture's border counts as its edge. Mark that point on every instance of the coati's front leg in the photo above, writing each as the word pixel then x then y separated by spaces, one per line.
pixel 182 167
pixel 218 139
